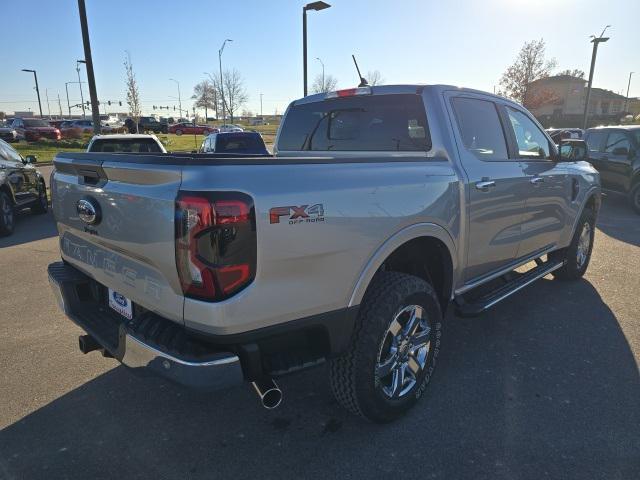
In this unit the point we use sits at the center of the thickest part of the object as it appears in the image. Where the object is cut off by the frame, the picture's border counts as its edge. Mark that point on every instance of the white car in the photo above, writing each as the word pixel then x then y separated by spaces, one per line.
pixel 126 143
pixel 230 128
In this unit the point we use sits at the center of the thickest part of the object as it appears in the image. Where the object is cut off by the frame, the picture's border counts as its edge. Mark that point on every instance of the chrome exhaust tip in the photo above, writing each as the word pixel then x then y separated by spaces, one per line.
pixel 269 393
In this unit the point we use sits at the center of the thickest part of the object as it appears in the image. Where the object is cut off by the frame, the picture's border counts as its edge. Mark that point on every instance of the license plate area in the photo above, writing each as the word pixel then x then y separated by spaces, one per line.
pixel 120 304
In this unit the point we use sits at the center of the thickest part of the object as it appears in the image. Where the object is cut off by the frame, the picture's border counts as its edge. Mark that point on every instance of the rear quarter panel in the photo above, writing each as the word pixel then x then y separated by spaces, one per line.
pixel 310 267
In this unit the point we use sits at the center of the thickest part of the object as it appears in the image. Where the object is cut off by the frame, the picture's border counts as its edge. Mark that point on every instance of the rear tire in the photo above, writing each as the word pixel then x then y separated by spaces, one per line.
pixel 7 216
pixel 393 349
pixel 634 198
pixel 178 132
pixel 578 254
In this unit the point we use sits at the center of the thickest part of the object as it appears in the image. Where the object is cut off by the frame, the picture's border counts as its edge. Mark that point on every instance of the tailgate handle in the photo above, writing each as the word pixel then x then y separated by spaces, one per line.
pixel 89 177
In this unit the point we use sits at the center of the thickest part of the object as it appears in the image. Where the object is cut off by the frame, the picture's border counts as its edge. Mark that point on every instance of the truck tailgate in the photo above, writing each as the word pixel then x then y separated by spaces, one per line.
pixel 130 246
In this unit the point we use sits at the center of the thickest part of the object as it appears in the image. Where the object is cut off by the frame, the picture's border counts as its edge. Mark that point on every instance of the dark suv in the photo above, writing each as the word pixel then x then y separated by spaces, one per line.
pixel 146 124
pixel 615 152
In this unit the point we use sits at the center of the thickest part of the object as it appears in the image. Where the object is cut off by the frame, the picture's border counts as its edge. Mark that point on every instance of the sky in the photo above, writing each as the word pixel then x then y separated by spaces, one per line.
pixel 467 43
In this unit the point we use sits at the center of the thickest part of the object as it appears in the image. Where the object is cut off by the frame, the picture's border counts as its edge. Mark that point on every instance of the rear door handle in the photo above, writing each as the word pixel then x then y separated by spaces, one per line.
pixel 485 185
pixel 537 180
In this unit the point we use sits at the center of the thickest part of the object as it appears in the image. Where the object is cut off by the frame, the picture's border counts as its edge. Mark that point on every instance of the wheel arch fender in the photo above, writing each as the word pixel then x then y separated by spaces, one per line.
pixel 397 240
pixel 592 196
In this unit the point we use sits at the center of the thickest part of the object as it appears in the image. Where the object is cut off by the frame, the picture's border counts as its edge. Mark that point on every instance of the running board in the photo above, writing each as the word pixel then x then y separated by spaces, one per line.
pixel 486 301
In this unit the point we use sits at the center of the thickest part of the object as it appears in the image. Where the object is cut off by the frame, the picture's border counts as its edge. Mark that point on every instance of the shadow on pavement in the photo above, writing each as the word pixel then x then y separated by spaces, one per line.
pixel 618 220
pixel 545 386
pixel 29 228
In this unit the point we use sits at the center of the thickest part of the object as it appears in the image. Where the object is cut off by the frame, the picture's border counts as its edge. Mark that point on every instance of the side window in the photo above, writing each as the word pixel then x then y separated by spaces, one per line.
pixel 480 128
pixel 616 143
pixel 595 139
pixel 532 143
pixel 10 154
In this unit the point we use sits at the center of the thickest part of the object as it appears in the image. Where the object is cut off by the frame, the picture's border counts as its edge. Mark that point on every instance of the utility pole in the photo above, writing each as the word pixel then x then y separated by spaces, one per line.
pixel 322 63
pixel 95 106
pixel 35 77
pixel 80 85
pixel 260 105
pixel 626 102
pixel 596 41
pixel 179 97
pixel 221 79
pixel 46 94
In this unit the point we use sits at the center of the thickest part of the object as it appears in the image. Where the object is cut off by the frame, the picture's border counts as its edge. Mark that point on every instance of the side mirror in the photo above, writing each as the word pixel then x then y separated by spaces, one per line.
pixel 31 159
pixel 622 151
pixel 572 150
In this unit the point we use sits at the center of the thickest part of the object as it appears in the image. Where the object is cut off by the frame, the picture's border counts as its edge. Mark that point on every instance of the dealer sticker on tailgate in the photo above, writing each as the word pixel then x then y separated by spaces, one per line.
pixel 120 304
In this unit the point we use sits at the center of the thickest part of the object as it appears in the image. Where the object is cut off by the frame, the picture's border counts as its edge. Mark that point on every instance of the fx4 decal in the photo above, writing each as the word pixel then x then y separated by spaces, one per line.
pixel 294 214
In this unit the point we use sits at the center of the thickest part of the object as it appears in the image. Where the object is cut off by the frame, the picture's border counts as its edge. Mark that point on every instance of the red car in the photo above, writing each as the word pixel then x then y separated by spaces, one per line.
pixel 32 129
pixel 190 128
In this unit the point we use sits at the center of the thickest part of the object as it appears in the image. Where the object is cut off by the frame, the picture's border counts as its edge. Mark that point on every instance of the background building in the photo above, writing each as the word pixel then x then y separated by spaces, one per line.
pixel 558 101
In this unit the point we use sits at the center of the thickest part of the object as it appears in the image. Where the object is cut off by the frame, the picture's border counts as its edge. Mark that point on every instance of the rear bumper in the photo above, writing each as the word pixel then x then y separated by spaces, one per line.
pixel 147 343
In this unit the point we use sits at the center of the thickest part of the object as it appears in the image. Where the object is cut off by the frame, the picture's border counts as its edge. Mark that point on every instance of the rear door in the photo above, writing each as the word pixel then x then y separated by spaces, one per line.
pixel 617 156
pixel 548 186
pixel 130 247
pixel 496 187
pixel 596 139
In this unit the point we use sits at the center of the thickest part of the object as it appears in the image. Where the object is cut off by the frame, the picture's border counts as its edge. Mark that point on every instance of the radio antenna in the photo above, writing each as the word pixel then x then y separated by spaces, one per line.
pixel 363 81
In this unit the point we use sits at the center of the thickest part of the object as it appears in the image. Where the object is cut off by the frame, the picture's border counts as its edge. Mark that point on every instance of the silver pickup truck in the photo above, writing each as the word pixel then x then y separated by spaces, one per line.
pixel 381 208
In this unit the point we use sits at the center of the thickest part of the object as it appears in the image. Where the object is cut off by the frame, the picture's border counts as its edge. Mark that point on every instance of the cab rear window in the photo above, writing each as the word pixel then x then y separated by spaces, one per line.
pixel 363 123
pixel 126 146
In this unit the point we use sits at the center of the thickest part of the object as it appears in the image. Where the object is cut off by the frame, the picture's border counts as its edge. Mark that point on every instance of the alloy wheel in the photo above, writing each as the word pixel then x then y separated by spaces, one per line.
pixel 404 351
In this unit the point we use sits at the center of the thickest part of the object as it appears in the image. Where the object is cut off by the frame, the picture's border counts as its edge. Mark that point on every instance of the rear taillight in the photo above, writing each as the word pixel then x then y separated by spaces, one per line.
pixel 215 243
pixel 349 92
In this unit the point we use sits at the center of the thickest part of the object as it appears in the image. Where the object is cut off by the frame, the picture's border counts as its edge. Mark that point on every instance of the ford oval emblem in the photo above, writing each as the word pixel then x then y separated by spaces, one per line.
pixel 120 299
pixel 88 211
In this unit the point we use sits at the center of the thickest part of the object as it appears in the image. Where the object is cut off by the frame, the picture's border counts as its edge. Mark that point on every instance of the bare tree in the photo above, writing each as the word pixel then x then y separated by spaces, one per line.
pixel 573 73
pixel 204 94
pixel 530 65
pixel 133 94
pixel 374 77
pixel 247 113
pixel 324 84
pixel 235 95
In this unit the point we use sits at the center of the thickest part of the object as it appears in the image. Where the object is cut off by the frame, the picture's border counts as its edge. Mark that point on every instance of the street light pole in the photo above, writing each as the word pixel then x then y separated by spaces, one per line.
pixel 35 76
pixel 318 58
pixel 221 79
pixel 80 85
pixel 596 41
pixel 317 6
pixel 179 97
pixel 88 61
pixel 260 105
pixel 626 102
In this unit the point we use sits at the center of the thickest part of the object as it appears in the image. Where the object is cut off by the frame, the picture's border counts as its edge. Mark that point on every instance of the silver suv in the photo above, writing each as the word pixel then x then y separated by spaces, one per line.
pixel 381 208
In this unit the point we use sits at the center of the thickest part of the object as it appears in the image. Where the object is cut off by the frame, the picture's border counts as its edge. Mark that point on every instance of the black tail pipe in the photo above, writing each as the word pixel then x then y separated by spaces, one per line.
pixel 88 344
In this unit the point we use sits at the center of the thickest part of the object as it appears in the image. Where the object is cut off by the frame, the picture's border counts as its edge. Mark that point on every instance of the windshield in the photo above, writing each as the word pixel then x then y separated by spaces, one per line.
pixel 34 122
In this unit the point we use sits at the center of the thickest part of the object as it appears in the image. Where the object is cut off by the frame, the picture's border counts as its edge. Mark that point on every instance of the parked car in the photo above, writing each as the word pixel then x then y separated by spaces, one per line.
pixel 21 186
pixel 128 143
pixel 32 129
pixel 558 134
pixel 151 124
pixel 111 123
pixel 8 133
pixel 381 208
pixel 229 128
pixel 615 152
pixel 237 142
pixel 190 128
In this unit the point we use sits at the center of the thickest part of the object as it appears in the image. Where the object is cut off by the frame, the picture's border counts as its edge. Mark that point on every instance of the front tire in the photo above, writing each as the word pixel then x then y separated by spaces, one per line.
pixel 178 132
pixel 393 349
pixel 578 254
pixel 6 215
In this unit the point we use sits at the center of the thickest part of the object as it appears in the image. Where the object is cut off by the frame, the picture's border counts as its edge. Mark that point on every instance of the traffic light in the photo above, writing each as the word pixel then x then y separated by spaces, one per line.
pixel 120 102
pixel 109 102
pixel 154 107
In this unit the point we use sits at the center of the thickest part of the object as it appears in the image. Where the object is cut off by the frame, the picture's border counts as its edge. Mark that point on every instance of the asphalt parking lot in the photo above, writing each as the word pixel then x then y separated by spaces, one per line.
pixel 546 385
